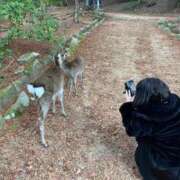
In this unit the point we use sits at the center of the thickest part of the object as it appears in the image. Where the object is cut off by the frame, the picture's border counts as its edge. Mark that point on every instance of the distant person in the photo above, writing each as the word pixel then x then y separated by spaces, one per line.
pixel 98 4
pixel 94 4
pixel 152 116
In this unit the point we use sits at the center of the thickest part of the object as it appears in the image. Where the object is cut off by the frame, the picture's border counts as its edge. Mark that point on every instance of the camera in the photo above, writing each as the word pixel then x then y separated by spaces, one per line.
pixel 130 87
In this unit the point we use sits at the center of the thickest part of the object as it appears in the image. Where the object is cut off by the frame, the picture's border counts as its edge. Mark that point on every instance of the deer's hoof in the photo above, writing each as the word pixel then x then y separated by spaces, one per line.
pixel 64 114
pixel 45 145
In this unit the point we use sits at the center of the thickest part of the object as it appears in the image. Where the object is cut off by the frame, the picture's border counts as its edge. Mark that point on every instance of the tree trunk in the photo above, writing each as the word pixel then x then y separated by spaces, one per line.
pixel 87 3
pixel 98 4
pixel 76 13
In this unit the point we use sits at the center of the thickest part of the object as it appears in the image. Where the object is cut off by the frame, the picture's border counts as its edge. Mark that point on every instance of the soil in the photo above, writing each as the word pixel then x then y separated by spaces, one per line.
pixel 91 142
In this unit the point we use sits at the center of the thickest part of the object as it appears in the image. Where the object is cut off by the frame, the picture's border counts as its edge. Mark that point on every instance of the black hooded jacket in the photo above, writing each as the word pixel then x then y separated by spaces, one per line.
pixel 157 131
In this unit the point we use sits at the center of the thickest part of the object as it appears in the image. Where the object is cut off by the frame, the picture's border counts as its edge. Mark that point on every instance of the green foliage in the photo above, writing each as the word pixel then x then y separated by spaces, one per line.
pixel 167 25
pixel 23 14
pixel 44 29
pixel 171 27
pixel 15 11
pixel 4 51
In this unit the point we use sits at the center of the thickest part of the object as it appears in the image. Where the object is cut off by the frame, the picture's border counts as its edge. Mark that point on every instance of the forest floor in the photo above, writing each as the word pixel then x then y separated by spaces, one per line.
pixel 91 142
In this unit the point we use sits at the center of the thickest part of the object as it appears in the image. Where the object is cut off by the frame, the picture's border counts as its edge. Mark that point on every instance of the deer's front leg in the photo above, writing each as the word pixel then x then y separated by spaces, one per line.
pixel 61 99
pixel 70 84
pixel 74 84
pixel 44 108
pixel 54 97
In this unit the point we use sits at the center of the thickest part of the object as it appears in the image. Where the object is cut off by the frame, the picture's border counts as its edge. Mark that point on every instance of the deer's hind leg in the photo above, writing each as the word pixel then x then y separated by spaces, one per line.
pixel 75 85
pixel 81 75
pixel 54 97
pixel 60 94
pixel 44 108
pixel 70 85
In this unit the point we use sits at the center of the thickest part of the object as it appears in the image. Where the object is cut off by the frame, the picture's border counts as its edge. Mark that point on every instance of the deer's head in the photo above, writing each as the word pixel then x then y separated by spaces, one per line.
pixel 60 57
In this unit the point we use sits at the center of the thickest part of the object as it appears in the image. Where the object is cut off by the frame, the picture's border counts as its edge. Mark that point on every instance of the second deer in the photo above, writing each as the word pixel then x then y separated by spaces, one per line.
pixel 72 69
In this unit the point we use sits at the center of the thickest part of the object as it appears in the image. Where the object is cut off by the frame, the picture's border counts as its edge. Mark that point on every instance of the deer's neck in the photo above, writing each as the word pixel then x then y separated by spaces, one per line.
pixel 63 66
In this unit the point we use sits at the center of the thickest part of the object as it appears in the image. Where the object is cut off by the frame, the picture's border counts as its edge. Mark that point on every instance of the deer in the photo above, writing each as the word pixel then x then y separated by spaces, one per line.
pixel 72 69
pixel 45 90
pixel 49 87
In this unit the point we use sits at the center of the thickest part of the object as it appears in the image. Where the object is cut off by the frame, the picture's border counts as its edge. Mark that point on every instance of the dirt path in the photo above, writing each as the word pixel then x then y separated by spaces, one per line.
pixel 91 142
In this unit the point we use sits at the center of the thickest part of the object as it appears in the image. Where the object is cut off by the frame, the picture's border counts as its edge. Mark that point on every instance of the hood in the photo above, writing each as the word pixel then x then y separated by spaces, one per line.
pixel 159 112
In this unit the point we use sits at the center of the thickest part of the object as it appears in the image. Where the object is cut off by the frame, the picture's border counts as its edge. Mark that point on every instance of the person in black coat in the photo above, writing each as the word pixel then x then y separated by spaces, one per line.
pixel 153 118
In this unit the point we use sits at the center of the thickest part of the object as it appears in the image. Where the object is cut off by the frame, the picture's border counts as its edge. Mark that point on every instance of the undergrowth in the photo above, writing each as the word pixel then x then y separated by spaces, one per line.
pixel 172 27
pixel 28 20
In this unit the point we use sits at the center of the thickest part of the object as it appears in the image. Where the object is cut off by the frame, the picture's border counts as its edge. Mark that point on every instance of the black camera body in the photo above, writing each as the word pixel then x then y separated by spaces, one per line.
pixel 130 87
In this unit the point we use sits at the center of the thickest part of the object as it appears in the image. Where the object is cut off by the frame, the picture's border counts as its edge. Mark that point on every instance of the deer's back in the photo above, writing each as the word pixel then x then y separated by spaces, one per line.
pixel 50 80
pixel 76 65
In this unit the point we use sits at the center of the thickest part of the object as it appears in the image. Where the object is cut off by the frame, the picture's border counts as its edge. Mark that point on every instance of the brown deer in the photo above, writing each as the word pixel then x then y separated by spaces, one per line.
pixel 72 69
pixel 46 89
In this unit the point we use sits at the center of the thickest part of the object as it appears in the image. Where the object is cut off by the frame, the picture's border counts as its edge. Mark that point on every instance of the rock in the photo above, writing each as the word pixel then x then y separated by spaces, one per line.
pixel 176 30
pixel 9 94
pixel 74 41
pixel 28 57
pixel 17 108
pixel 20 70
pixel 23 99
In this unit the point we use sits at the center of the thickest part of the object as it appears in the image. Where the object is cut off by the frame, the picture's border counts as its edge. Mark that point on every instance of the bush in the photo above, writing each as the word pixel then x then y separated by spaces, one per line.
pixel 44 29
pixel 22 13
pixel 16 11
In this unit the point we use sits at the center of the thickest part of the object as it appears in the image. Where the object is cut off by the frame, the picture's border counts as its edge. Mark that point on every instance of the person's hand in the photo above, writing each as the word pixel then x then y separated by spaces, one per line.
pixel 128 96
